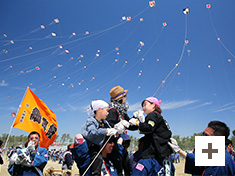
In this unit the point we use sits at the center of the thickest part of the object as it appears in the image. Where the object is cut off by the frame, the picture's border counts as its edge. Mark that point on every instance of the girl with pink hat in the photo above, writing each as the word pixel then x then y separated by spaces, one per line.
pixel 155 149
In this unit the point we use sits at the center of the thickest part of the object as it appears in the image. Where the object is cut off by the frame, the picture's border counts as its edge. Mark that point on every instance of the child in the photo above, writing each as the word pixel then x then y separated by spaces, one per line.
pixel 157 134
pixel 94 132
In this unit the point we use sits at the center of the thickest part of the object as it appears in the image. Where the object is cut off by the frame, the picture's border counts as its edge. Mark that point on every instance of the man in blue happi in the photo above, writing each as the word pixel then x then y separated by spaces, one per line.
pixel 32 159
pixel 214 128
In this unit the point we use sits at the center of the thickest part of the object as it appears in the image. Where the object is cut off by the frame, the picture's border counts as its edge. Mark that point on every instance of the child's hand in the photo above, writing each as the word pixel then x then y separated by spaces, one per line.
pixel 140 115
pixel 111 131
pixel 125 123
pixel 134 121
pixel 119 127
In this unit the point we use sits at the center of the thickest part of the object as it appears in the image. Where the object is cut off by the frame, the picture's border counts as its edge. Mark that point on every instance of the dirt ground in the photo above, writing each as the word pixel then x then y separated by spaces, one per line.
pixel 179 168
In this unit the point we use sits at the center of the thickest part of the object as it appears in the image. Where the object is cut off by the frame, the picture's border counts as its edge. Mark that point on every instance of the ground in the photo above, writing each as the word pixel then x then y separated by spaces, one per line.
pixel 179 167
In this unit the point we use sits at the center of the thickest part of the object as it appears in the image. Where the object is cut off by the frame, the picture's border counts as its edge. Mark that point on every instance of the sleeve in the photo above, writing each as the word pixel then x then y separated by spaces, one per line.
pixel 112 117
pixel 190 167
pixel 149 125
pixel 95 135
pixel 68 159
pixel 81 156
pixel 41 158
pixel 1 161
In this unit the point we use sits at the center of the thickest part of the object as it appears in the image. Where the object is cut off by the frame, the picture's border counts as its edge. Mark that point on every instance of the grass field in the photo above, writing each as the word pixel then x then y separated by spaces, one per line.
pixel 179 168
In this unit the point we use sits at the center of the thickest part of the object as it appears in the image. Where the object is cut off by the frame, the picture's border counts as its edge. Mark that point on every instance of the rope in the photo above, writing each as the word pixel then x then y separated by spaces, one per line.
pixel 96 156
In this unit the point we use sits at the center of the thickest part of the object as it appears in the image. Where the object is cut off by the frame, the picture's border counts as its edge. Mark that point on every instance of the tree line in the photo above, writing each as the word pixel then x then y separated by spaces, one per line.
pixel 185 143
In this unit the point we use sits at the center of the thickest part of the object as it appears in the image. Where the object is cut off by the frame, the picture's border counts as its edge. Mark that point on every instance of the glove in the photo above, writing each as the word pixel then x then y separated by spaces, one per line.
pixel 23 158
pixel 140 115
pixel 133 121
pixel 119 127
pixel 125 123
pixel 174 145
pixel 111 131
pixel 31 146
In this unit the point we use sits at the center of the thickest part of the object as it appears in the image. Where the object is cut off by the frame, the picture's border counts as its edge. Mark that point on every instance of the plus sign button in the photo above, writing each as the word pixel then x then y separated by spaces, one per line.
pixel 209 151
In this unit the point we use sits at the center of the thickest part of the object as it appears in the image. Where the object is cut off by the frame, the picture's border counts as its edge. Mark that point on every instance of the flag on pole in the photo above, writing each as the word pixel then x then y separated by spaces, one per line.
pixel 34 115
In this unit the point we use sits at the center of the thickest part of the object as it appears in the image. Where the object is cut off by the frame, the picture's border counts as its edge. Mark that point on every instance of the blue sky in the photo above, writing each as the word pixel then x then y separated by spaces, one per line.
pixel 100 49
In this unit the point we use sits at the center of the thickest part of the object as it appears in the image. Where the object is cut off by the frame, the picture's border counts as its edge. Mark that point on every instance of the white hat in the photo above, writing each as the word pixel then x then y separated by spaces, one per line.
pixel 95 105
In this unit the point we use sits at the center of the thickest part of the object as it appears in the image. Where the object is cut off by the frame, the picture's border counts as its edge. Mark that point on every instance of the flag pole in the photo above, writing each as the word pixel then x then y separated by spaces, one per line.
pixel 14 119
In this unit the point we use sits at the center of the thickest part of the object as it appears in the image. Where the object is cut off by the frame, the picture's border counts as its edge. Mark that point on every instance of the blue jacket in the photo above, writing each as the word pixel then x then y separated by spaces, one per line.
pixel 92 132
pixel 228 169
pixel 39 162
pixel 82 159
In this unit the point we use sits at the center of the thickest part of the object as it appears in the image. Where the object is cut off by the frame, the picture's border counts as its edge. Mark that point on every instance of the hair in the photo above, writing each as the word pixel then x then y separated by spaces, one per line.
pixel 1 142
pixel 220 128
pixel 156 108
pixel 34 132
pixel 228 141
pixel 68 147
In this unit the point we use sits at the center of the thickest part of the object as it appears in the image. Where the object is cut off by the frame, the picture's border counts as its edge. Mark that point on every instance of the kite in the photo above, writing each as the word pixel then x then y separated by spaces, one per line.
pixel 128 18
pixel 209 66
pixel 218 38
pixel 67 51
pixel 37 68
pixel 56 20
pixel 208 6
pixel 164 24
pixel 152 3
pixel 5 35
pixel 12 42
pixel 5 51
pixel 229 60
pixel 53 34
pixel 42 26
pixel 141 43
pixel 123 18
pixel 186 11
pixel 141 19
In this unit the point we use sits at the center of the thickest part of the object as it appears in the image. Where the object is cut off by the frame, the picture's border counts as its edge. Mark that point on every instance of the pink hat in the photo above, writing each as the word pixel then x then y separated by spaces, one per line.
pixel 152 100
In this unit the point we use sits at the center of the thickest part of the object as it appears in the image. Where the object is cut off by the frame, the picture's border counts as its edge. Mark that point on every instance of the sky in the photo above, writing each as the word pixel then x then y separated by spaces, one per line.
pixel 72 52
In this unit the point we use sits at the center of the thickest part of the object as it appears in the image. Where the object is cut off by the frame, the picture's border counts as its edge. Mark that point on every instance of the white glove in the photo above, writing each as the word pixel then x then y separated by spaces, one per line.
pixel 125 123
pixel 174 145
pixel 140 115
pixel 133 121
pixel 111 131
pixel 31 146
pixel 119 127
pixel 24 158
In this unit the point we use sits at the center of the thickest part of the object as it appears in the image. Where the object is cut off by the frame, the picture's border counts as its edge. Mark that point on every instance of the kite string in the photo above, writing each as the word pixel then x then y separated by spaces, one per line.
pixel 213 26
pixel 182 53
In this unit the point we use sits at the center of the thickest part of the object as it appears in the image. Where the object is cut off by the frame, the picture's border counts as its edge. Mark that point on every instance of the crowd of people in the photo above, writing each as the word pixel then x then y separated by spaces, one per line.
pixel 102 147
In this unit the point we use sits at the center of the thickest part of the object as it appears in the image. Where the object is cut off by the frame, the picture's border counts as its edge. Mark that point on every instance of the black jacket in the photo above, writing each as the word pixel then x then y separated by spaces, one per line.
pixel 157 134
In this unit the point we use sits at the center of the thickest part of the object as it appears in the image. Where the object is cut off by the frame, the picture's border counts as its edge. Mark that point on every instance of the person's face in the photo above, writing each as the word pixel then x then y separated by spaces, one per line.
pixel 208 132
pixel 124 99
pixel 108 148
pixel 148 107
pixel 102 113
pixel 230 148
pixel 35 139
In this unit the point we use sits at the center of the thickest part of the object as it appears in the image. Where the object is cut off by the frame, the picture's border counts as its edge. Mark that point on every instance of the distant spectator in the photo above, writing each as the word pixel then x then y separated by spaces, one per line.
pixel 1 160
pixel 67 159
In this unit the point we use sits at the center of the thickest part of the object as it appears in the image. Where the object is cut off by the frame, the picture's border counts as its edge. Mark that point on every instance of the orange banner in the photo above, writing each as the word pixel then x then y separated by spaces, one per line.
pixel 34 115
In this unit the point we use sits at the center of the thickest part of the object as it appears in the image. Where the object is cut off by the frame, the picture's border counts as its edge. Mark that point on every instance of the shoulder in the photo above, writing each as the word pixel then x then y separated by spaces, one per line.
pixel 113 110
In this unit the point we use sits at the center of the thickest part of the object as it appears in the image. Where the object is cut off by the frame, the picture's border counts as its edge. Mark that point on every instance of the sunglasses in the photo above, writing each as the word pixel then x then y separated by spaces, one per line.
pixel 204 134
pixel 33 138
